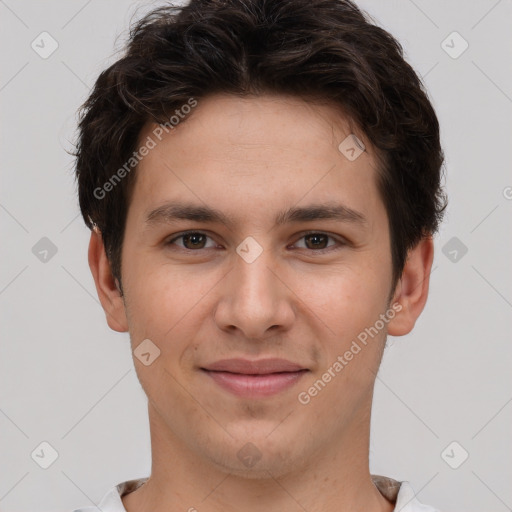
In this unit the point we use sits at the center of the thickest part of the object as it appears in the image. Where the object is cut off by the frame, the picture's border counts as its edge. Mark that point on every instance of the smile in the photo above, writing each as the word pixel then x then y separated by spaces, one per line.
pixel 255 385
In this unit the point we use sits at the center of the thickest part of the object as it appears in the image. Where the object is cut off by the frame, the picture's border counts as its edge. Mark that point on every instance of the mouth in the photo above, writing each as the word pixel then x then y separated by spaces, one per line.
pixel 255 379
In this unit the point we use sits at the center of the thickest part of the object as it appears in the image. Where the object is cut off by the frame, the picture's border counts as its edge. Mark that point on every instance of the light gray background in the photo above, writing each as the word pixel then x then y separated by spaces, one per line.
pixel 68 380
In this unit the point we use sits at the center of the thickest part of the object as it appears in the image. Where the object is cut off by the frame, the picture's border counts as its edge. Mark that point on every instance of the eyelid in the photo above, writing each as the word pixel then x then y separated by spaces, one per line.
pixel 177 236
pixel 341 241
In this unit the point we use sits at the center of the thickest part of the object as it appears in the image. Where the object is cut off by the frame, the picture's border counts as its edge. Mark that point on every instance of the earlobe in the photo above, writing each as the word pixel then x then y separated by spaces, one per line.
pixel 107 287
pixel 412 289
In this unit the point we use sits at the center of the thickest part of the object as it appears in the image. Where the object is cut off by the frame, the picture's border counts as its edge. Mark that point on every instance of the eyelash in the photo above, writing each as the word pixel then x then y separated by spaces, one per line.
pixel 339 241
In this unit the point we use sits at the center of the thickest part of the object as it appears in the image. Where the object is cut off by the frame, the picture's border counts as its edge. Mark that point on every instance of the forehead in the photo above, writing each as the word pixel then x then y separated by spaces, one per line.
pixel 250 120
pixel 251 153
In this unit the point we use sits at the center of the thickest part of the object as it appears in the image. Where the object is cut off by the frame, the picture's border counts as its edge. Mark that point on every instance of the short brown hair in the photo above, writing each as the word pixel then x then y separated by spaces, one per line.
pixel 325 49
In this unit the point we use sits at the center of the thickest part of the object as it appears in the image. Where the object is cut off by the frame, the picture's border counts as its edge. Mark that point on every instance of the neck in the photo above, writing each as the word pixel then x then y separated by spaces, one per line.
pixel 336 479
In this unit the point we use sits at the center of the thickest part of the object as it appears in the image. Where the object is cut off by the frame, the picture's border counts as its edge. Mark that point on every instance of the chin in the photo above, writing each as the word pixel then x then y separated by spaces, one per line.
pixel 258 455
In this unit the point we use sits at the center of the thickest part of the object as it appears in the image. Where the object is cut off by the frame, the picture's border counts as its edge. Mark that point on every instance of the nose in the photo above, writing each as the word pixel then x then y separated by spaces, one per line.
pixel 254 299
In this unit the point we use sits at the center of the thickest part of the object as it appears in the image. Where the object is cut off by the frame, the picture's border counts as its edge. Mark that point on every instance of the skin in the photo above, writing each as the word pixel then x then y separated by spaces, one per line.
pixel 252 158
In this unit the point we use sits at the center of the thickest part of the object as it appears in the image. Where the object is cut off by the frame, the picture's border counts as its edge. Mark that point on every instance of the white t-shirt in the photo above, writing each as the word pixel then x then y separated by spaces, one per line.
pixel 400 493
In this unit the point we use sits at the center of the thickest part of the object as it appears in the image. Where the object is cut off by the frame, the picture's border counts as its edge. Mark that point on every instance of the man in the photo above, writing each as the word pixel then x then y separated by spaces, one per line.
pixel 262 182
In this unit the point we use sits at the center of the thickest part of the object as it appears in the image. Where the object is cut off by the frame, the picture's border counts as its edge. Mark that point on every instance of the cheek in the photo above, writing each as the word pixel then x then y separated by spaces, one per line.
pixel 161 307
pixel 163 301
pixel 351 351
pixel 347 300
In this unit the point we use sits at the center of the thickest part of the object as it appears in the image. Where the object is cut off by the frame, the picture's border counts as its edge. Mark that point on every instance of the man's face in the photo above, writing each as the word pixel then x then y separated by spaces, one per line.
pixel 213 295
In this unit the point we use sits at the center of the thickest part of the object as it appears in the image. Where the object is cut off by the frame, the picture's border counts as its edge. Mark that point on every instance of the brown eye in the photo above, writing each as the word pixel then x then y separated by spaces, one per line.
pixel 194 241
pixel 318 241
pixel 191 240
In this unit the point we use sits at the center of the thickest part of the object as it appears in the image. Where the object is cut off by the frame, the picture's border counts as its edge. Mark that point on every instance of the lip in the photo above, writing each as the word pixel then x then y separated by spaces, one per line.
pixel 259 367
pixel 254 379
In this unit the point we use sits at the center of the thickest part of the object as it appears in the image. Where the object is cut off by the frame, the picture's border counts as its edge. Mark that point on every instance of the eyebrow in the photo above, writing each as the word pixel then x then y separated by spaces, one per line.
pixel 169 212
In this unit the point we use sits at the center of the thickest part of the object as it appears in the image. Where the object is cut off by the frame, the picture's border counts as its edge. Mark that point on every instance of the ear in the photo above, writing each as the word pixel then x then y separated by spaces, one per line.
pixel 412 289
pixel 108 293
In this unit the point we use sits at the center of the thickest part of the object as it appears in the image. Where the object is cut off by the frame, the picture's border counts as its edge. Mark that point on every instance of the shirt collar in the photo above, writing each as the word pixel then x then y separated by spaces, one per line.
pixel 388 487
